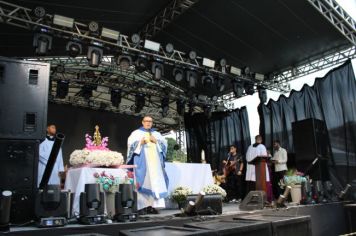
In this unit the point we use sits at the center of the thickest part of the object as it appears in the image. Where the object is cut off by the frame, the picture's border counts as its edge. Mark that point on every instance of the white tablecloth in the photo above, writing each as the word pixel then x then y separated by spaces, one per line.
pixel 193 175
pixel 78 177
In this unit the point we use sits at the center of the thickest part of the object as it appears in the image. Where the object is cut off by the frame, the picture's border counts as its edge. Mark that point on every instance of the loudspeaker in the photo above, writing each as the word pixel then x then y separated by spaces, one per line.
pixel 18 173
pixel 311 141
pixel 165 230
pixel 211 205
pixel 255 200
pixel 24 99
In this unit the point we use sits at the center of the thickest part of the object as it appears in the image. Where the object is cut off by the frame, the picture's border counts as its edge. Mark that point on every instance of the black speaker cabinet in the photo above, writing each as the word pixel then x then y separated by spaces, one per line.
pixel 23 99
pixel 255 200
pixel 212 204
pixel 165 230
pixel 311 141
pixel 18 173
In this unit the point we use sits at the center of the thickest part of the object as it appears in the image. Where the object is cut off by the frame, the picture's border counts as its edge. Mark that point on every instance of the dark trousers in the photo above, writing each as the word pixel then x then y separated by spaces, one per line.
pixel 278 175
pixel 233 186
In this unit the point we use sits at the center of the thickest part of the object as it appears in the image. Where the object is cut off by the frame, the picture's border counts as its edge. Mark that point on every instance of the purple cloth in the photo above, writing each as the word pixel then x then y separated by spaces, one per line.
pixel 269 192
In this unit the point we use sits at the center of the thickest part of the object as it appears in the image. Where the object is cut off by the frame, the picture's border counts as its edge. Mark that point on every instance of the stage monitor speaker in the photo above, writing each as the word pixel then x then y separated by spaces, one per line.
pixel 255 200
pixel 312 148
pixel 18 173
pixel 24 99
pixel 211 204
pixel 283 224
pixel 234 227
pixel 165 230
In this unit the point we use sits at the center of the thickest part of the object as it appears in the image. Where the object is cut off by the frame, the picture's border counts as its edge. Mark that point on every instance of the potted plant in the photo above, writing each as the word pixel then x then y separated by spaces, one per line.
pixel 294 179
pixel 179 195
pixel 214 189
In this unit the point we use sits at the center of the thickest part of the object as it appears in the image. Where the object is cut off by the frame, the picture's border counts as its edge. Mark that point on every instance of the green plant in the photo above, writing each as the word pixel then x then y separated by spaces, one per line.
pixel 180 194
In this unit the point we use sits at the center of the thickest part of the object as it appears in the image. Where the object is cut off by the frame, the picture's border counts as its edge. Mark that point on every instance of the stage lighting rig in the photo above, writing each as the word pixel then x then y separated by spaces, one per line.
pixel 220 85
pixel 63 21
pixel 192 55
pixel 208 63
pixel 169 48
pixel 192 78
pixel 223 64
pixel 115 97
pixel 124 61
pixel 95 54
pixel 150 45
pixel 92 205
pixel 157 70
pixel 136 39
pixel 208 81
pixel 178 74
pixel 93 27
pixel 237 89
pixel 62 88
pixel 42 42
pixel 110 34
pixel 165 105
pixel 39 12
pixel 74 48
pixel 235 71
pixel 141 63
pixel 139 102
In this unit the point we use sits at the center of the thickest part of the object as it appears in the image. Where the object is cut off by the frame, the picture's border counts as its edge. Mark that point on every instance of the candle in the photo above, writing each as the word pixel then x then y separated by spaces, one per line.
pixel 202 155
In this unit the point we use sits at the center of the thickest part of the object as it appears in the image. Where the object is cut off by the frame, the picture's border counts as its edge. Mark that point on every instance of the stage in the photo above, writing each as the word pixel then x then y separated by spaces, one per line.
pixel 326 219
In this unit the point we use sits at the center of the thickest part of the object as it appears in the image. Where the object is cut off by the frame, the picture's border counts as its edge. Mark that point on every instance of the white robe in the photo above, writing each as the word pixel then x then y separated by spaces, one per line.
pixel 252 153
pixel 45 150
pixel 154 179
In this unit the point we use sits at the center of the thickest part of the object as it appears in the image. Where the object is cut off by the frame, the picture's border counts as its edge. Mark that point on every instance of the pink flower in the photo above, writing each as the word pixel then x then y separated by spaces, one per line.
pixel 96 175
pixel 112 177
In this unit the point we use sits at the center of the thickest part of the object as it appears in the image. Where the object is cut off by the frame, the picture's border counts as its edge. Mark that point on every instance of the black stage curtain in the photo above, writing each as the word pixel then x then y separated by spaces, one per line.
pixel 75 122
pixel 216 134
pixel 332 99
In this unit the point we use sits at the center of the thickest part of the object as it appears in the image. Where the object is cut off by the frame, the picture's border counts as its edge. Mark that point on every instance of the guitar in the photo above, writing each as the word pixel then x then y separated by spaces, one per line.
pixel 229 166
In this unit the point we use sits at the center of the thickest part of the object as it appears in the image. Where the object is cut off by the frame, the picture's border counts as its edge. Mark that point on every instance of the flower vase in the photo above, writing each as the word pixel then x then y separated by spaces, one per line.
pixel 181 204
pixel 110 204
pixel 296 193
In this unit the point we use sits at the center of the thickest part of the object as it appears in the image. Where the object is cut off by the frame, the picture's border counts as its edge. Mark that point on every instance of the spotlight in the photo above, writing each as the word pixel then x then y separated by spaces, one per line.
pixel 165 106
pixel 39 12
pixel 110 34
pixel 249 89
pixel 135 38
pixel 180 107
pixel 178 74
pixel 237 89
pixel 42 43
pixel 235 71
pixel 115 97
pixel 157 70
pixel 208 62
pixel 220 85
pixel 139 102
pixel 95 54
pixel 223 65
pixel 74 48
pixel 169 48
pixel 192 55
pixel 87 91
pixel 141 63
pixel 62 88
pixel 154 46
pixel 125 203
pixel 94 28
pixel 63 21
pixel 124 61
pixel 259 77
pixel 192 79
pixel 207 80
pixel 262 94
pixel 92 205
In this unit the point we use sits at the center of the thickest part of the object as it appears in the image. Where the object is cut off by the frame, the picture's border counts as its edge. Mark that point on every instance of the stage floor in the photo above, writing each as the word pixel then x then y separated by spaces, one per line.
pixel 327 219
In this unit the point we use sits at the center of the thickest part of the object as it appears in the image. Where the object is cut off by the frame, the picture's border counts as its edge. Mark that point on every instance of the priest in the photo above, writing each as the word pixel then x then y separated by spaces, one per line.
pixel 45 151
pixel 253 151
pixel 147 150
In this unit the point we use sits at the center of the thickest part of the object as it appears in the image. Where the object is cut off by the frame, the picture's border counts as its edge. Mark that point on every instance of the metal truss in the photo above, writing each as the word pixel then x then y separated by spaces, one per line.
pixel 174 9
pixel 311 65
pixel 337 16
pixel 180 135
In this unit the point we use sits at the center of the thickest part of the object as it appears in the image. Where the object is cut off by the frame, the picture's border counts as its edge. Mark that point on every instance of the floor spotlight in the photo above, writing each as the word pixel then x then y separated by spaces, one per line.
pixel 180 107
pixel 237 89
pixel 141 63
pixel 62 88
pixel 115 97
pixel 74 48
pixel 42 43
pixel 95 54
pixel 139 102
pixel 157 70
pixel 124 61
pixel 192 79
pixel 208 81
pixel 178 74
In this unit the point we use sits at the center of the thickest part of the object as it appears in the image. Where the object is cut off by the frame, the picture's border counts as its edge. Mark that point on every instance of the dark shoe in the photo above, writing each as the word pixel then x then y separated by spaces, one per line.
pixel 142 212
pixel 151 210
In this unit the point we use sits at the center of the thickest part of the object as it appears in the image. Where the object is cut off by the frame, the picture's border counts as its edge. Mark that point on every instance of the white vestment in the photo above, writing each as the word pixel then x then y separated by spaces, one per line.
pixel 252 153
pixel 45 150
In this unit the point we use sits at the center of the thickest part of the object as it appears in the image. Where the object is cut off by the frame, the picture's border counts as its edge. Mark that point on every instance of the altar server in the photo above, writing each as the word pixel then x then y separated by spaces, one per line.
pixel 253 151
pixel 45 150
pixel 147 150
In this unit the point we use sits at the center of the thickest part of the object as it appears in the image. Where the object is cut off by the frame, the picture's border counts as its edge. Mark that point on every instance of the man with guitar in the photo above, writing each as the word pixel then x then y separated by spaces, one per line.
pixel 232 169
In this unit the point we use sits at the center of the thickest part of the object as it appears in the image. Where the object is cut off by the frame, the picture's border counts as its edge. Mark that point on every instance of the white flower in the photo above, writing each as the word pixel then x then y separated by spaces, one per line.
pixel 214 189
pixel 96 157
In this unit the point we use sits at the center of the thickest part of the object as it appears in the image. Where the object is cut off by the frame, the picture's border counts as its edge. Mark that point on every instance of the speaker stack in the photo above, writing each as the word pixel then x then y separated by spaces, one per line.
pixel 23 120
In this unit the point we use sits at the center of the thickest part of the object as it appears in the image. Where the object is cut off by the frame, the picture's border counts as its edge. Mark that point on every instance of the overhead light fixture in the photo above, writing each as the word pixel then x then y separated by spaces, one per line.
pixel 157 70
pixel 110 34
pixel 178 74
pixel 169 48
pixel 249 89
pixel 180 107
pixel 208 81
pixel 207 111
pixel 192 79
pixel 165 105
pixel 124 61
pixel 39 12
pixel 136 39
pixel 62 89
pixel 151 45
pixel 74 48
pixel 141 63
pixel 223 65
pixel 208 62
pixel 139 102
pixel 42 43
pixel 63 21
pixel 235 71
pixel 115 97
pixel 95 54
pixel 237 89
pixel 259 77
pixel 192 55
pixel 93 28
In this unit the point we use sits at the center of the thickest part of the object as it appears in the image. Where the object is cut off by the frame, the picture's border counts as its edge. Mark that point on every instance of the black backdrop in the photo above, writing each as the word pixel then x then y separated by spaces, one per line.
pixel 75 122
pixel 332 99
pixel 214 135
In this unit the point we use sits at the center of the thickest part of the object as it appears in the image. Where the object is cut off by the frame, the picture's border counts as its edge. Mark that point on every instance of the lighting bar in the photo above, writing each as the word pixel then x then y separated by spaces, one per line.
pixel 110 34
pixel 208 63
pixel 152 45
pixel 235 71
pixel 63 21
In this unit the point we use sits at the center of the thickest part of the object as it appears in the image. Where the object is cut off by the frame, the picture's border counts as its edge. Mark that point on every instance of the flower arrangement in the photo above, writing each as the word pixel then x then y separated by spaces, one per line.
pixel 96 157
pixel 214 189
pixel 108 182
pixel 293 177
pixel 180 194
